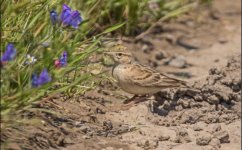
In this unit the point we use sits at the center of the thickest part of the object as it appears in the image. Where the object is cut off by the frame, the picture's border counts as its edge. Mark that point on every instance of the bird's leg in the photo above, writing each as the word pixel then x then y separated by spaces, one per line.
pixel 131 99
pixel 134 101
pixel 140 99
pixel 150 104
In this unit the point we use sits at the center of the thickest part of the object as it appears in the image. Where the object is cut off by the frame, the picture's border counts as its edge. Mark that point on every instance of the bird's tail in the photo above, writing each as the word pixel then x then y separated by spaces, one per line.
pixel 178 82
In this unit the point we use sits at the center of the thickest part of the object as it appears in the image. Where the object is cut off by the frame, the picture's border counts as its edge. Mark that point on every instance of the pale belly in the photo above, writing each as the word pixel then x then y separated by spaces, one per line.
pixel 138 90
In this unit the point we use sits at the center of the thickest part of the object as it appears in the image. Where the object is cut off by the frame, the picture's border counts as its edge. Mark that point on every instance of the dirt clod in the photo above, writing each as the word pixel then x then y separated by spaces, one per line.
pixel 182 136
pixel 213 99
pixel 216 128
pixel 148 144
pixel 197 128
pixel 215 143
pixel 223 136
pixel 107 125
pixel 203 140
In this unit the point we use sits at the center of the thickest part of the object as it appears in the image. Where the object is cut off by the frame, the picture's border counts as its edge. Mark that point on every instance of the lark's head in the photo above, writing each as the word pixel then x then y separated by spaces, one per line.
pixel 120 57
pixel 120 54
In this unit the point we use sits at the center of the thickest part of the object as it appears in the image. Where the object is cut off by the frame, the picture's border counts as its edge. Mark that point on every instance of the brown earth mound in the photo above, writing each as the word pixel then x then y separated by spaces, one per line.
pixel 215 99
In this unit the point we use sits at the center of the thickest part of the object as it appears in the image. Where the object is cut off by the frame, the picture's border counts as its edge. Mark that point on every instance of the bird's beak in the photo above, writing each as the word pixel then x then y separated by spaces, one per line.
pixel 108 53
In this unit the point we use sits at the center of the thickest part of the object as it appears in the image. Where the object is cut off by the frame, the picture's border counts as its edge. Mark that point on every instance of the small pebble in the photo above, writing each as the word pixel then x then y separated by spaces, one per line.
pixel 160 56
pixel 85 137
pixel 178 61
pixel 164 137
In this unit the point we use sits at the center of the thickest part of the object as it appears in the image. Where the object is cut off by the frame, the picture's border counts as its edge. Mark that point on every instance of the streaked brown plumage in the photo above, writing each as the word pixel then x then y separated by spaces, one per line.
pixel 138 79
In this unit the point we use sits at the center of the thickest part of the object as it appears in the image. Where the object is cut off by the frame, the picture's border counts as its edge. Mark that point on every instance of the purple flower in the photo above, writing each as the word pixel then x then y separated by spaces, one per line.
pixel 62 61
pixel 9 53
pixel 76 19
pixel 44 77
pixel 65 16
pixel 53 17
pixel 69 17
pixel 34 80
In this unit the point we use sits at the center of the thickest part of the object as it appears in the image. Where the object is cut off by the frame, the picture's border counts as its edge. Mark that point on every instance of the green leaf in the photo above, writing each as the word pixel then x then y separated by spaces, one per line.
pixel 113 28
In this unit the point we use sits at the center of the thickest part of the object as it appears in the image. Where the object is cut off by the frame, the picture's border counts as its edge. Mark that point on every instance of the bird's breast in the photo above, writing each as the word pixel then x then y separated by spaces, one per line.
pixel 120 72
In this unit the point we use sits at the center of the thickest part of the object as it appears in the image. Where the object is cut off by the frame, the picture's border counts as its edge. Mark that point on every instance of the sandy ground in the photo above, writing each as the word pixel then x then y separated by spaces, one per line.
pixel 203 48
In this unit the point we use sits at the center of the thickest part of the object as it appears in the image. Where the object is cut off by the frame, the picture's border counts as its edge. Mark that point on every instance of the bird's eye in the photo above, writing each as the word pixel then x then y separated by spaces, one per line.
pixel 119 54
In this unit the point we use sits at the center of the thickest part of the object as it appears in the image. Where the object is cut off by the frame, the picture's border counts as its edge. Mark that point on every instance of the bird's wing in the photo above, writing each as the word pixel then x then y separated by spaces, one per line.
pixel 147 77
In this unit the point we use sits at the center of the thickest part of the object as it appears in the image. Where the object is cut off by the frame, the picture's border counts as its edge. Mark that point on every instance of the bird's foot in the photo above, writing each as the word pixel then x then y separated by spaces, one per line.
pixel 127 101
pixel 133 102
pixel 136 99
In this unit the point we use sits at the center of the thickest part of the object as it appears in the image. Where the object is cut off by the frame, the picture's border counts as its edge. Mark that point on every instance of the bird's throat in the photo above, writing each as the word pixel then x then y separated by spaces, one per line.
pixel 114 66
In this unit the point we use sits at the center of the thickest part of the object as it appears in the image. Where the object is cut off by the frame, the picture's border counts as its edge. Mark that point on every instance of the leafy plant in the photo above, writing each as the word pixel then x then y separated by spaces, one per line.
pixel 45 45
pixel 138 14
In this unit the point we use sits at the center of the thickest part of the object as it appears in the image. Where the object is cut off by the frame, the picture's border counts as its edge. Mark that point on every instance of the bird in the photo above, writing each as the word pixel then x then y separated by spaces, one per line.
pixel 138 79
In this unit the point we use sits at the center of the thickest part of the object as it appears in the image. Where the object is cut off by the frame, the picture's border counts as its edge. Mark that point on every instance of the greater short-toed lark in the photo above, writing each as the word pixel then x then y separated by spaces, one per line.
pixel 138 79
